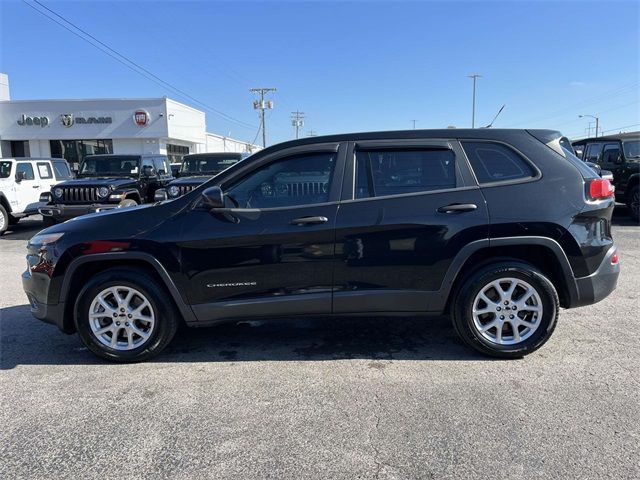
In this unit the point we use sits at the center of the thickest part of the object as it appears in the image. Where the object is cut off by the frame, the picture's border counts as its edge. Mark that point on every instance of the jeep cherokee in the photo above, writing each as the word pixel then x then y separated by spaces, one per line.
pixel 498 228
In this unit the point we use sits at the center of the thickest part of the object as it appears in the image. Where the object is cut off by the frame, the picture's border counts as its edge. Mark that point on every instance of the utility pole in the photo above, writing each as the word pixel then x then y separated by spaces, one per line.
pixel 474 76
pixel 312 133
pixel 297 120
pixel 414 123
pixel 262 106
pixel 597 121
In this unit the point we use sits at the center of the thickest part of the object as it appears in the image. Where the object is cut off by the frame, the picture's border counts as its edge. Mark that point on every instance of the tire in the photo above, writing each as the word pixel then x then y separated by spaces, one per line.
pixel 4 220
pixel 634 203
pixel 97 333
pixel 534 318
pixel 13 220
pixel 127 202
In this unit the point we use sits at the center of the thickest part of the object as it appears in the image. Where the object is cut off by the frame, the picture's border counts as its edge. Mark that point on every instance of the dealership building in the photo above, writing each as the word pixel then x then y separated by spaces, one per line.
pixel 71 129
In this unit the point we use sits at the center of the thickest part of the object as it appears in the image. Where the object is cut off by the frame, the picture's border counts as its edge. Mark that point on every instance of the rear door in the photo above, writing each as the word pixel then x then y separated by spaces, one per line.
pixel 408 208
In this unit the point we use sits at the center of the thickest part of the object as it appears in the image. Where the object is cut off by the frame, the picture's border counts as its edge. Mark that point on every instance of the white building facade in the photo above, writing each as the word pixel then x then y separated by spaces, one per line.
pixel 72 129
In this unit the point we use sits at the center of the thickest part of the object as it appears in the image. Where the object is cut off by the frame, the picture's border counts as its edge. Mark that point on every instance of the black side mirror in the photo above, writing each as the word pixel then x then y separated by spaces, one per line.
pixel 213 197
pixel 20 176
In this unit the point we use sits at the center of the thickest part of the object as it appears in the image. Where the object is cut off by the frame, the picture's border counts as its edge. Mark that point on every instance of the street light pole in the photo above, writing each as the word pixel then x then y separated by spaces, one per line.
pixel 597 121
pixel 475 76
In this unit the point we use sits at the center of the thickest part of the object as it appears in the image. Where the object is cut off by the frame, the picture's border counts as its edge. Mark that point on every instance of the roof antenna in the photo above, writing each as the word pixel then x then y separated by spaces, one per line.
pixel 494 118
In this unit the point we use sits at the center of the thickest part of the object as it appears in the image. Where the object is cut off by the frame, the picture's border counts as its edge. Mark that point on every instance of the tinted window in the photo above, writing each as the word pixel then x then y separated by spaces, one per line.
pixel 610 153
pixel 61 170
pixel 110 165
pixel 296 180
pixel 207 164
pixel 592 152
pixel 44 170
pixel 394 172
pixel 493 162
pixel 5 169
pixel 632 149
pixel 148 166
pixel 27 169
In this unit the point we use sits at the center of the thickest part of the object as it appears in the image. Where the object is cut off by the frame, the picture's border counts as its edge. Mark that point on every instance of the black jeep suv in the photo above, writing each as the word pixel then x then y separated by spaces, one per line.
pixel 105 182
pixel 621 155
pixel 196 169
pixel 498 228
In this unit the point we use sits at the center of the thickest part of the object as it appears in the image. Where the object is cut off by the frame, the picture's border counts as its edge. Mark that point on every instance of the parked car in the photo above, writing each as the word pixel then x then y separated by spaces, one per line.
pixel 498 228
pixel 619 154
pixel 23 181
pixel 105 182
pixel 196 169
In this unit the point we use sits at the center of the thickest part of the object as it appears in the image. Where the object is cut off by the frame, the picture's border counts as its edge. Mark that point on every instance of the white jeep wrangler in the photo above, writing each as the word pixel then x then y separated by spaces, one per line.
pixel 22 183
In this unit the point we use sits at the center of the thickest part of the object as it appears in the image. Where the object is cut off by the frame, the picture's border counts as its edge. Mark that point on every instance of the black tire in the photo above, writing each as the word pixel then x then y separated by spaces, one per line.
pixel 4 220
pixel 463 319
pixel 13 220
pixel 166 316
pixel 634 203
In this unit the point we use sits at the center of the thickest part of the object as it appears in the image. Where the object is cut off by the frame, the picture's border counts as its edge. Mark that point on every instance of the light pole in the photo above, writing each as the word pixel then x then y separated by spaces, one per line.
pixel 474 76
pixel 262 106
pixel 597 121
pixel 414 123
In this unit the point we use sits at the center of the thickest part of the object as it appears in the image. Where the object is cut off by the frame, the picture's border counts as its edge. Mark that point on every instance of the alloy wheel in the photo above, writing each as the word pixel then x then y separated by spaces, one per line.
pixel 121 318
pixel 507 311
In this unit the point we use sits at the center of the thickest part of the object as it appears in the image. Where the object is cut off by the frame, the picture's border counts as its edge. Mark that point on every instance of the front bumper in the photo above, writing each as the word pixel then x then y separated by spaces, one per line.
pixel 65 212
pixel 53 314
pixel 600 284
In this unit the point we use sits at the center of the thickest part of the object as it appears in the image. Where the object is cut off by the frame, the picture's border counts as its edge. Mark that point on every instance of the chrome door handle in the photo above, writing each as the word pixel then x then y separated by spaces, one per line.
pixel 458 208
pixel 309 220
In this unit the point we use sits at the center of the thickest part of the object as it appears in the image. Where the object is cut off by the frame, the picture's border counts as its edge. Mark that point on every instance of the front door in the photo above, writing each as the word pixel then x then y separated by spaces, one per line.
pixel 27 190
pixel 409 210
pixel 612 160
pixel 271 251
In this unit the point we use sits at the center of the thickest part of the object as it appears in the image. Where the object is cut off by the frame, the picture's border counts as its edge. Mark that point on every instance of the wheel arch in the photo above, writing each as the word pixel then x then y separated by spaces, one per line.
pixel 5 202
pixel 545 254
pixel 83 267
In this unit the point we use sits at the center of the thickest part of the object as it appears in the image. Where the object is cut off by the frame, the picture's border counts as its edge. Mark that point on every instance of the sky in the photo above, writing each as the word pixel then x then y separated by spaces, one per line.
pixel 350 66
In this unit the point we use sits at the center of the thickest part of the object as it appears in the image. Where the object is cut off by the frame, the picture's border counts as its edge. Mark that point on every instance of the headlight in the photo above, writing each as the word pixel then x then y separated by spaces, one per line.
pixel 103 192
pixel 57 192
pixel 173 191
pixel 43 239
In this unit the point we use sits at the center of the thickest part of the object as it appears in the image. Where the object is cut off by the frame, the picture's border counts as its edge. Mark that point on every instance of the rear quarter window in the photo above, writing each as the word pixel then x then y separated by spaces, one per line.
pixel 494 162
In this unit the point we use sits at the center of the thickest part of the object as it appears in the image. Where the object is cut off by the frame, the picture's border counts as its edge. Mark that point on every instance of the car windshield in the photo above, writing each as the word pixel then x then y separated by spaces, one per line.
pixel 5 169
pixel 631 149
pixel 118 165
pixel 204 165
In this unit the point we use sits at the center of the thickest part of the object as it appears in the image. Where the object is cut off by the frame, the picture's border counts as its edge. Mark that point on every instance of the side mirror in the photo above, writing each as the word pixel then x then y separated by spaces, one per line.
pixel 213 197
pixel 20 176
pixel 160 195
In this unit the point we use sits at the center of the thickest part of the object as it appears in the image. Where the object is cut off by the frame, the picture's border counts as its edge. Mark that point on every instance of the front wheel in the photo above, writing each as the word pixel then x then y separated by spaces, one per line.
pixel 127 202
pixel 4 220
pixel 634 203
pixel 506 310
pixel 124 315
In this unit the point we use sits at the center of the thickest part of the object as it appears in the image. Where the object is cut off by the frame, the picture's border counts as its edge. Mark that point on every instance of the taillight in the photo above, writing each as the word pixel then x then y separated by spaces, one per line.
pixel 600 188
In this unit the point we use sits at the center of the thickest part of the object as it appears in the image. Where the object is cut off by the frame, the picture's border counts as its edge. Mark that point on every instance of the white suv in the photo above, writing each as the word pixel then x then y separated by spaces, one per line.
pixel 23 181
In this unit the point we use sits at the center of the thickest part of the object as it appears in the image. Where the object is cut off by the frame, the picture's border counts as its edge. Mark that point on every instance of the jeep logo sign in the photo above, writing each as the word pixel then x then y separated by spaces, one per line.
pixel 29 121
pixel 141 118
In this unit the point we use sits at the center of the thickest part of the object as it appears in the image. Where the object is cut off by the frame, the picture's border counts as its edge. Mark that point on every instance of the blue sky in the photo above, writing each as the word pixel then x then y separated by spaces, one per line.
pixel 350 66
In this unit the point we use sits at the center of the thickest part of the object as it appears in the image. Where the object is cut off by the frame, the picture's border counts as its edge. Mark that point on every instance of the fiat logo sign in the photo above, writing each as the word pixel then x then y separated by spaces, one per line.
pixel 141 118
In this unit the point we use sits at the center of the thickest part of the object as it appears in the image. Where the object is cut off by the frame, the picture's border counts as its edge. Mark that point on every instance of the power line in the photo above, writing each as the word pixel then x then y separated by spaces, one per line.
pixel 127 62
pixel 262 106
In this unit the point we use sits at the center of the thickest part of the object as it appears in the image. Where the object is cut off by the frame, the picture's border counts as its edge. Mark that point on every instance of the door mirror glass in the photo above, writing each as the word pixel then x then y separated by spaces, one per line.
pixel 20 176
pixel 213 197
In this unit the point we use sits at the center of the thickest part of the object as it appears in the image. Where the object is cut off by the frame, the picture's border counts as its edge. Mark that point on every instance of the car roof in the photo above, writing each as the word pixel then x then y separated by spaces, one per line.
pixel 618 136
pixel 214 154
pixel 33 159
pixel 136 155
pixel 501 134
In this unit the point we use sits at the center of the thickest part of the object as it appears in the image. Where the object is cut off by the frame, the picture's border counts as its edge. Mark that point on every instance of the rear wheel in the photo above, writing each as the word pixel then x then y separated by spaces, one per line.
pixel 634 203
pixel 4 220
pixel 124 316
pixel 506 310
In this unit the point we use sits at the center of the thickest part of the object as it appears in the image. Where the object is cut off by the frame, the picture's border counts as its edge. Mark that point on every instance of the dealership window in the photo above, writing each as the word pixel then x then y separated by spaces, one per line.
pixel 74 151
pixel 20 148
pixel 176 152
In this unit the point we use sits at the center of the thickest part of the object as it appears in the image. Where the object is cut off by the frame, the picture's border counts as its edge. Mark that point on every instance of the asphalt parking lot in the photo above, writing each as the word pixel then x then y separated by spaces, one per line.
pixel 343 398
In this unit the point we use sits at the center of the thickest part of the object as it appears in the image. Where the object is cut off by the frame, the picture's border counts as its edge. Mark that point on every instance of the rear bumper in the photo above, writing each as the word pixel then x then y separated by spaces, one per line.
pixel 598 285
pixel 65 212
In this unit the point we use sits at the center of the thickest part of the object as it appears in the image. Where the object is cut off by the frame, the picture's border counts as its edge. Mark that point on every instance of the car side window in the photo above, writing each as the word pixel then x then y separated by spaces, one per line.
pixel 296 180
pixel 61 170
pixel 592 152
pixel 44 170
pixel 610 153
pixel 495 162
pixel 384 172
pixel 27 168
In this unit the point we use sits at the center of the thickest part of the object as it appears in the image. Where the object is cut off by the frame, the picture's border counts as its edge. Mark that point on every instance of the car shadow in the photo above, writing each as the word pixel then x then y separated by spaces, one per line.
pixel 27 341
pixel 622 217
pixel 24 229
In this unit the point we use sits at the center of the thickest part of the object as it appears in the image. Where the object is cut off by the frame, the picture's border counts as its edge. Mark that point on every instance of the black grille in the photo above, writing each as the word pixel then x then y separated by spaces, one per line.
pixel 79 195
